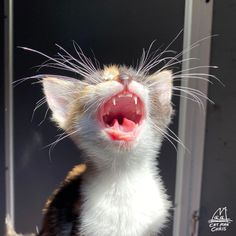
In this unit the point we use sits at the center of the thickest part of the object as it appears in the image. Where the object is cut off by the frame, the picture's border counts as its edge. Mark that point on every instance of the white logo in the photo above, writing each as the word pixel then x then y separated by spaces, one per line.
pixel 219 220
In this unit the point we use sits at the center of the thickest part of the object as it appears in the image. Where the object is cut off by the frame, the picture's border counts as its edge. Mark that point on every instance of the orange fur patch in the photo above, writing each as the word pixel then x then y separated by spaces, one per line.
pixel 110 72
pixel 73 174
pixel 76 171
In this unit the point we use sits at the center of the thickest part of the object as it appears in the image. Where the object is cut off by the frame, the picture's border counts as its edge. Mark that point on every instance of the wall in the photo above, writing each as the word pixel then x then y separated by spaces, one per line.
pixel 218 187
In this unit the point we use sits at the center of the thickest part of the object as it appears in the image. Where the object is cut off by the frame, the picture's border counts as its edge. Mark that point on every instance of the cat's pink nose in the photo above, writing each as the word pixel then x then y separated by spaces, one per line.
pixel 124 79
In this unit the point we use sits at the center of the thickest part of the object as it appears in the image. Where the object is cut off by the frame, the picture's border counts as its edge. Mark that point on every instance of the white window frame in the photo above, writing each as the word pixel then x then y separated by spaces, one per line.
pixel 197 25
pixel 8 106
pixel 198 21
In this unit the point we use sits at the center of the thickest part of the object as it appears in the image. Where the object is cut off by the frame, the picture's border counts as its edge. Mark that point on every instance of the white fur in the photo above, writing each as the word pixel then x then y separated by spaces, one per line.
pixel 126 199
pixel 123 195
pixel 122 192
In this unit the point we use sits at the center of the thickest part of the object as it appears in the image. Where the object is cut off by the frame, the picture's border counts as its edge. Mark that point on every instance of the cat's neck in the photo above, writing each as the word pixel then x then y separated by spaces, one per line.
pixel 112 160
pixel 121 163
pixel 127 193
pixel 119 167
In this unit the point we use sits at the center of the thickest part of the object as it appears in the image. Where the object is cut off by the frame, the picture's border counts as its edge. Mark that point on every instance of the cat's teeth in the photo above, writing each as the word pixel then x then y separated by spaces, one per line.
pixel 135 100
pixel 114 101
pixel 125 95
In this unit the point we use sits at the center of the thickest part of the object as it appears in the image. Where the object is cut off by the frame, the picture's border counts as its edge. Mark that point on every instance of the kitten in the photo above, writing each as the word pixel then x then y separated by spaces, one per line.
pixel 118 117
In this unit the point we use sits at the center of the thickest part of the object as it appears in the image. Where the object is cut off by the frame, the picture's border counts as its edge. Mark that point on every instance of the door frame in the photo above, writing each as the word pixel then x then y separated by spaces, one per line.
pixel 192 119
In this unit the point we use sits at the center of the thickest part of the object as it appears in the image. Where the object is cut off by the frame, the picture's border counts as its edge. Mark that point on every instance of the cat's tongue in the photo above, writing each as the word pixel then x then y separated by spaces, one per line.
pixel 124 131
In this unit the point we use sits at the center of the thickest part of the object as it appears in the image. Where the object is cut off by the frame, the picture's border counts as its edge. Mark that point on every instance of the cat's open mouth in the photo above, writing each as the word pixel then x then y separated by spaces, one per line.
pixel 122 115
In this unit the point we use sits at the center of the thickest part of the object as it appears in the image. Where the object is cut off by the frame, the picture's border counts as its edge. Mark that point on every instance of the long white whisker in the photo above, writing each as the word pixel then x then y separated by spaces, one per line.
pixel 195 91
pixel 82 56
pixel 185 97
pixel 198 100
pixel 183 77
pixel 44 118
pixel 84 67
pixel 175 63
pixel 59 63
pixel 39 104
pixel 60 138
pixel 165 136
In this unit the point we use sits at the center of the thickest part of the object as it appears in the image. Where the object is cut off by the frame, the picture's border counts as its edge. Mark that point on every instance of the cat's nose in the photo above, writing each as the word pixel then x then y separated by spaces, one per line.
pixel 124 79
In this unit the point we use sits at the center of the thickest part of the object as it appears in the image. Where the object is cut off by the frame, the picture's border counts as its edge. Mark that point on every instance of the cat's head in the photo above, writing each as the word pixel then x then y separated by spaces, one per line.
pixel 117 108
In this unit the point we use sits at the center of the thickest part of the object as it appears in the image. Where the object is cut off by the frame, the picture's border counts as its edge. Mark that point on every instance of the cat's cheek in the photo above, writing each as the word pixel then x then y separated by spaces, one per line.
pixel 140 90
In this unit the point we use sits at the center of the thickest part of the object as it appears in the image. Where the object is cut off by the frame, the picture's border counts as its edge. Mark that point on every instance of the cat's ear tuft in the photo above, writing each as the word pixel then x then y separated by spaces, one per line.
pixel 59 92
pixel 163 85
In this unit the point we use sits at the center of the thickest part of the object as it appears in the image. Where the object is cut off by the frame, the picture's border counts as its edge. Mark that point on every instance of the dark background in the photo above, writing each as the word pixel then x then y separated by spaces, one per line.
pixel 116 31
pixel 219 170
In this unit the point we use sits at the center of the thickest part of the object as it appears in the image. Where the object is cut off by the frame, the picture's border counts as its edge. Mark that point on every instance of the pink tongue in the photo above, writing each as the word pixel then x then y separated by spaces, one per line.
pixel 126 126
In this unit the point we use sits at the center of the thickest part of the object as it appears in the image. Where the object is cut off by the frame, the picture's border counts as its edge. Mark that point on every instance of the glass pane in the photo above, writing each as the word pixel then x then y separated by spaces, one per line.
pixel 116 32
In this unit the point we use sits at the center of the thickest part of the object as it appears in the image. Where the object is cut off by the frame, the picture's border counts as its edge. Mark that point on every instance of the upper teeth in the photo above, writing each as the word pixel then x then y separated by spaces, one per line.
pixel 125 95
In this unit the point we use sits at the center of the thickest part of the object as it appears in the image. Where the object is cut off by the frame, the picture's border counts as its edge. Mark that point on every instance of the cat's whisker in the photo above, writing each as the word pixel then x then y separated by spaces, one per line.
pixel 180 79
pixel 22 80
pixel 82 56
pixel 154 61
pixel 199 74
pixel 167 66
pixel 52 146
pixel 40 100
pixel 181 54
pixel 165 136
pixel 96 61
pixel 59 139
pixel 163 52
pixel 78 68
pixel 65 68
pixel 69 61
pixel 192 46
pixel 196 74
pixel 59 63
pixel 93 105
pixel 196 92
pixel 44 64
pixel 82 62
pixel 185 97
pixel 87 66
pixel 188 77
pixel 170 136
pixel 44 118
pixel 195 97
pixel 144 57
pixel 148 67
pixel 198 67
pixel 177 139
pixel 38 105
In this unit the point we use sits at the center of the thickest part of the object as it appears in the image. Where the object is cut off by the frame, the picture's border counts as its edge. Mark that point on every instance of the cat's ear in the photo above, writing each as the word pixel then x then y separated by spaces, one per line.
pixel 59 92
pixel 163 85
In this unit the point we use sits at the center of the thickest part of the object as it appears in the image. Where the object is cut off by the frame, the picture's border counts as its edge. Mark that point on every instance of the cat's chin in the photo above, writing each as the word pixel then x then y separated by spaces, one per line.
pixel 117 135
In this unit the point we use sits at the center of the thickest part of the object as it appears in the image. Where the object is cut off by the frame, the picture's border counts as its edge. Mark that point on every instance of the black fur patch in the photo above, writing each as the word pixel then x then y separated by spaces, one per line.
pixel 62 210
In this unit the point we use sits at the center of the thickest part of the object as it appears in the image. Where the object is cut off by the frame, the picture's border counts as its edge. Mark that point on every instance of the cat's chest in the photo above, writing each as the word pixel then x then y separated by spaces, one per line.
pixel 129 207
